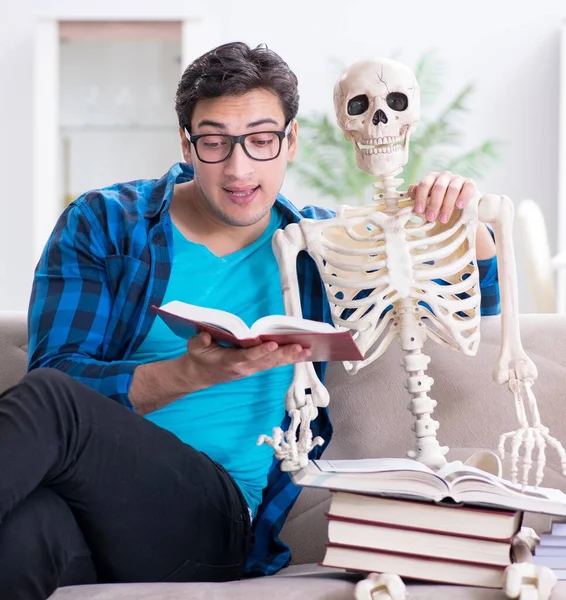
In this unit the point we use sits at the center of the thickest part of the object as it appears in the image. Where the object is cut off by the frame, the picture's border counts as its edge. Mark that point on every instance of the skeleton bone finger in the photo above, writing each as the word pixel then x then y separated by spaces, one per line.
pixel 502 440
pixel 516 443
pixel 517 438
pixel 528 455
pixel 540 443
pixel 554 443
pixel 277 442
pixel 284 444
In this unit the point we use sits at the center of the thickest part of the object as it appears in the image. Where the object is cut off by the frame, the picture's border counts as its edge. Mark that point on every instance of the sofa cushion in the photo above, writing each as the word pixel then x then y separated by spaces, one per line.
pixel 331 586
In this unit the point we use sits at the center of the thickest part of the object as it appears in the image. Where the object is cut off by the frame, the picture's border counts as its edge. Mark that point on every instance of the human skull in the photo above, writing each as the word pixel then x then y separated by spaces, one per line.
pixel 377 104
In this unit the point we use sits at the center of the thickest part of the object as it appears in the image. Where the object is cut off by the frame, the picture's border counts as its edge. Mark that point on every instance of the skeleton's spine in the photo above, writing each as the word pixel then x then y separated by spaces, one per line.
pixel 386 194
pixel 427 449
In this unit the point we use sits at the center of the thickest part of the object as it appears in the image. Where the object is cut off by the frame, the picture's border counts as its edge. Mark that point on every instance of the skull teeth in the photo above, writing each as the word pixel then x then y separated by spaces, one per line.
pixel 381 145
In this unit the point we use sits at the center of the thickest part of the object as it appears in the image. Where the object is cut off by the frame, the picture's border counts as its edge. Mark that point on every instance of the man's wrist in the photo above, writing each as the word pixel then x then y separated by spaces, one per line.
pixel 157 384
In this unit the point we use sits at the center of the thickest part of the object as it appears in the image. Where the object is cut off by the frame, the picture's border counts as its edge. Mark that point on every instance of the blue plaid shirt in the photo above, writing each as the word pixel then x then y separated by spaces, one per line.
pixel 107 261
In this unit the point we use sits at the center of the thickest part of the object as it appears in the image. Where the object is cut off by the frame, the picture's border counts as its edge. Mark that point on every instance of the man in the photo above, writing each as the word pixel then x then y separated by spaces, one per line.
pixel 133 457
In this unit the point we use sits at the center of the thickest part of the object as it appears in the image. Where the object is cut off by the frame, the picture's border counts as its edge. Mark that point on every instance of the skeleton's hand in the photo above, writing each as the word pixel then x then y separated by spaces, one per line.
pixel 292 452
pixel 531 433
pixel 438 193
pixel 303 396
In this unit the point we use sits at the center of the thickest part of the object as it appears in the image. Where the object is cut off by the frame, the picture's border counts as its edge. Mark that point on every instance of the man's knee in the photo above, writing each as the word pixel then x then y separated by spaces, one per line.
pixel 46 376
pixel 49 385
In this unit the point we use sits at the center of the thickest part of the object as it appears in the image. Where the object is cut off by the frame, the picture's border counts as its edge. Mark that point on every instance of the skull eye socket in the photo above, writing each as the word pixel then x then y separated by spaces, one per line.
pixel 397 101
pixel 358 105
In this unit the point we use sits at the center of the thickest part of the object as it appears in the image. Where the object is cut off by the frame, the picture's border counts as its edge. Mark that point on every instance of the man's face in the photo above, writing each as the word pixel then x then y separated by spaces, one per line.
pixel 240 191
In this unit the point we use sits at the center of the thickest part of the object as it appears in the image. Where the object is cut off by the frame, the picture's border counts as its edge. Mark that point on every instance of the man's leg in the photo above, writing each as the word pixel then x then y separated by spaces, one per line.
pixel 41 548
pixel 150 507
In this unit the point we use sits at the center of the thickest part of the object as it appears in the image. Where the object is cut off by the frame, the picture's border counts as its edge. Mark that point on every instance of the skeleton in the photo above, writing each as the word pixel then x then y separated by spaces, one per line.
pixel 389 274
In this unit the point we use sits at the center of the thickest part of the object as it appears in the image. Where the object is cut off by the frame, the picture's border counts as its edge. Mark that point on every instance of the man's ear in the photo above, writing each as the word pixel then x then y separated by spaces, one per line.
pixel 185 147
pixel 293 138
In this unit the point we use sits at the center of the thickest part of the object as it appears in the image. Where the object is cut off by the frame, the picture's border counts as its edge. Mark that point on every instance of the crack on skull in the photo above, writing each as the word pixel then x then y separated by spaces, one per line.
pixel 380 77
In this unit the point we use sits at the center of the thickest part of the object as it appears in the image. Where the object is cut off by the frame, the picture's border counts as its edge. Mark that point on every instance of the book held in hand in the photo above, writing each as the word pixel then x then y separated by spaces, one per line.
pixel 404 477
pixel 325 341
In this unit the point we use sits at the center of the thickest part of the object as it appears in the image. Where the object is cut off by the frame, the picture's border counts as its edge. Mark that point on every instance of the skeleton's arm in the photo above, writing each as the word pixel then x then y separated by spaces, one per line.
pixel 513 366
pixel 306 391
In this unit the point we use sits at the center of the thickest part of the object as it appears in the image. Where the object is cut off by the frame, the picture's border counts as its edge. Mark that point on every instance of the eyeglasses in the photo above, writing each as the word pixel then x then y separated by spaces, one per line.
pixel 214 148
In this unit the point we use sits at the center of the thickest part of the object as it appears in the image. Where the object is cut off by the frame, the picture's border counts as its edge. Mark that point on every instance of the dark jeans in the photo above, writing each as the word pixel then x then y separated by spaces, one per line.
pixel 92 492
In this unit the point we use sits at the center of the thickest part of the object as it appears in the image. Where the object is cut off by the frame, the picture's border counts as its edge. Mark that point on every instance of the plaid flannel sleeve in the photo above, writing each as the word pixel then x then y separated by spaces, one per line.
pixel 489 286
pixel 70 305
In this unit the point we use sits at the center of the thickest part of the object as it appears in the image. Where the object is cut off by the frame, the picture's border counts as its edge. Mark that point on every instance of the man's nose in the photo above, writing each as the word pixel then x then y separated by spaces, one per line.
pixel 239 165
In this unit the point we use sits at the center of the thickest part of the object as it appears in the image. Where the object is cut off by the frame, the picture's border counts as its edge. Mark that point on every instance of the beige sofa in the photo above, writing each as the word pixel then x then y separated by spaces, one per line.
pixel 370 419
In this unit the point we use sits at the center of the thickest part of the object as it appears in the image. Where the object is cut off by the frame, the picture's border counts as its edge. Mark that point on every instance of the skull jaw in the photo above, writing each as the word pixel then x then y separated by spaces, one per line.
pixel 383 164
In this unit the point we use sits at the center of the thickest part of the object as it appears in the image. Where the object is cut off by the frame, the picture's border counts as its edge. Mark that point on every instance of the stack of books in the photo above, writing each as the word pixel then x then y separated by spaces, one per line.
pixel 451 544
pixel 398 516
pixel 551 550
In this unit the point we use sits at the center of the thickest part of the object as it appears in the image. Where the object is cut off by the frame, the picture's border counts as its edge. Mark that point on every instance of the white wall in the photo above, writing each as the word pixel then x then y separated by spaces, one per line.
pixel 509 48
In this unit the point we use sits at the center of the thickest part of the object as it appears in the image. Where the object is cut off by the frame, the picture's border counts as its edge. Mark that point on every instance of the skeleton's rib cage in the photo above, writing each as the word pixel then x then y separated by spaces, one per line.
pixel 370 260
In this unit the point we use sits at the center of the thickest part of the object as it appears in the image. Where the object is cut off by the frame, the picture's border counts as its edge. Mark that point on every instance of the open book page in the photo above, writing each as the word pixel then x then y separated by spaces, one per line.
pixel 457 473
pixel 371 465
pixel 288 324
pixel 469 484
pixel 210 316
pixel 403 477
pixel 397 477
pixel 276 324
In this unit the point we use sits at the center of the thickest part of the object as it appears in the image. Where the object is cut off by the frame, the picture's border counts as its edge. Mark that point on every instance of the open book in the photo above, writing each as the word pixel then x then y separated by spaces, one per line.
pixel 407 478
pixel 325 341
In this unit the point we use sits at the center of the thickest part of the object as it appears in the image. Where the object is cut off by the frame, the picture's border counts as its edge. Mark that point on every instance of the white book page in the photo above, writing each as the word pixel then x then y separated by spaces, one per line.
pixel 457 471
pixel 371 465
pixel 288 324
pixel 212 316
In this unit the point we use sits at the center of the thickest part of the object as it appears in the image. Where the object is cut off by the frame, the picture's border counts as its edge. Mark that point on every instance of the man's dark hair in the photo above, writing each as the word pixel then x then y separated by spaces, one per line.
pixel 234 69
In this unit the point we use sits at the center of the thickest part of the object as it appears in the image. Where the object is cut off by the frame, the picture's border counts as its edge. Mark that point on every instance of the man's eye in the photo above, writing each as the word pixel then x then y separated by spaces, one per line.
pixel 213 145
pixel 262 142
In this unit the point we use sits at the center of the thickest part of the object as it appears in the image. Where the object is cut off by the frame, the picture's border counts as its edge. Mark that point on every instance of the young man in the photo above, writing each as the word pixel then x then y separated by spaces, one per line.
pixel 134 457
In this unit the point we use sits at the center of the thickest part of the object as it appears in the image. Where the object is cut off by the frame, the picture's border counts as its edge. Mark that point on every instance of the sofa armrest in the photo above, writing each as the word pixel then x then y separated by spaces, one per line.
pixel 13 348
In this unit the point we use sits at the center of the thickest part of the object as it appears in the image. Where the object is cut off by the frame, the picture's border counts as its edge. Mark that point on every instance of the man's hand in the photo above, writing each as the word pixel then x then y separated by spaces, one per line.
pixel 207 363
pixel 438 193
pixel 436 196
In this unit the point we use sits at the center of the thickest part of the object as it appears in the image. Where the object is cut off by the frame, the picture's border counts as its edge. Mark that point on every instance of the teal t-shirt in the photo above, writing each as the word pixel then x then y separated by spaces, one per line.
pixel 225 420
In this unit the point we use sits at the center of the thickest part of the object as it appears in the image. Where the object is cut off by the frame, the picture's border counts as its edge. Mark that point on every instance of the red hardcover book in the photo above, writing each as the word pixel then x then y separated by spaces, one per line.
pixel 325 341
pixel 406 565
pixel 420 542
pixel 453 519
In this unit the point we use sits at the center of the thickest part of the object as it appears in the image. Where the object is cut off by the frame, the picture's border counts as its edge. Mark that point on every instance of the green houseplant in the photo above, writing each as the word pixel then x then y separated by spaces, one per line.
pixel 327 163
